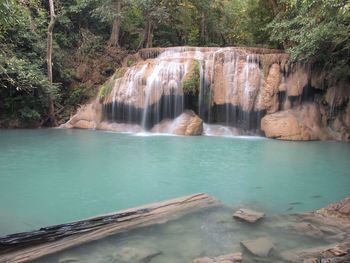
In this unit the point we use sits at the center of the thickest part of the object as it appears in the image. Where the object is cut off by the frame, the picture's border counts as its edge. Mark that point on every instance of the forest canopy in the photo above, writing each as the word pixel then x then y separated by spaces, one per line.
pixel 89 32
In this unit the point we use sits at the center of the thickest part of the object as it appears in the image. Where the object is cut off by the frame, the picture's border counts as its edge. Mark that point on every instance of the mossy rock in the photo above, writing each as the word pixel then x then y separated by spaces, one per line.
pixel 192 80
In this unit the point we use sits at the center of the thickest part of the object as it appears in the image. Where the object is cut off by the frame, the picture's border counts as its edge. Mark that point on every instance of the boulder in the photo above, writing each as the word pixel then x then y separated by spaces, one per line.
pixel 248 215
pixel 230 258
pixel 260 247
pixel 188 123
pixel 302 124
pixel 87 117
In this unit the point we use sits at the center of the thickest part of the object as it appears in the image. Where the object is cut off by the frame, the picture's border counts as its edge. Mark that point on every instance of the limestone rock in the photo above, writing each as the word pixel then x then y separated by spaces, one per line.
pixel 248 215
pixel 339 210
pixel 119 127
pixel 270 90
pixel 230 258
pixel 339 253
pixel 302 123
pixel 296 81
pixel 188 123
pixel 260 247
pixel 304 229
pixel 131 254
pixel 87 117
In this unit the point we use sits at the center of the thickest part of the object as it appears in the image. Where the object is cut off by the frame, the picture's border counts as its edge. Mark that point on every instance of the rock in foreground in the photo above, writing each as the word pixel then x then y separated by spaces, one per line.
pixel 248 215
pixel 260 247
pixel 230 258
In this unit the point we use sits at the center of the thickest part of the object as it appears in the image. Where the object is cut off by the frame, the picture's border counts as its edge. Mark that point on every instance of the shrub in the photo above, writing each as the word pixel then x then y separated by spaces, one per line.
pixel 192 81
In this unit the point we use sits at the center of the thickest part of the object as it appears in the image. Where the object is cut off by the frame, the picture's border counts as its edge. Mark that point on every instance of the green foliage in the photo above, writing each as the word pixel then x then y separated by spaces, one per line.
pixel 192 82
pixel 317 32
pixel 130 61
pixel 106 89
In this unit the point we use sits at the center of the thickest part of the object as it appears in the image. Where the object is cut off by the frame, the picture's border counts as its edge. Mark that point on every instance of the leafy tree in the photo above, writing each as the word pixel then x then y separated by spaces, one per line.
pixel 316 32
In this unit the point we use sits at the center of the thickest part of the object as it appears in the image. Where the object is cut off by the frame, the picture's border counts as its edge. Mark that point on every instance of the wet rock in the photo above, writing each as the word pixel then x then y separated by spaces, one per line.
pixel 260 247
pixel 248 215
pixel 118 127
pixel 230 258
pixel 69 260
pixel 339 210
pixel 191 246
pixel 304 229
pixel 87 117
pixel 337 253
pixel 301 124
pixel 270 90
pixel 133 255
pixel 188 123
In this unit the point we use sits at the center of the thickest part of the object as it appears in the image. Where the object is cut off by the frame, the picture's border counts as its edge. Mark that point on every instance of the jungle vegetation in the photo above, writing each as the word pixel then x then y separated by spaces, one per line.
pixel 89 38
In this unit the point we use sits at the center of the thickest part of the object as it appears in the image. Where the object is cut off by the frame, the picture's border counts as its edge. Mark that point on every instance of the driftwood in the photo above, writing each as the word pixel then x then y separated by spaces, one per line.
pixel 28 246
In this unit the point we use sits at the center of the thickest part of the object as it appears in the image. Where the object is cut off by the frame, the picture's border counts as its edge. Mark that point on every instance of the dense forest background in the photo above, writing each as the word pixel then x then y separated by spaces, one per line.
pixel 91 37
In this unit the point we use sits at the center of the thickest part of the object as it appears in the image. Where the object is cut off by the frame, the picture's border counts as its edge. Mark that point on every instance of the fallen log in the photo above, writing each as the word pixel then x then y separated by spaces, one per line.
pixel 23 247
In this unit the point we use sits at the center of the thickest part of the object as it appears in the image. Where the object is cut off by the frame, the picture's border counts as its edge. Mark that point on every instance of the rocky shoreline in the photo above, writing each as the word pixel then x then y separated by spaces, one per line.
pixel 323 236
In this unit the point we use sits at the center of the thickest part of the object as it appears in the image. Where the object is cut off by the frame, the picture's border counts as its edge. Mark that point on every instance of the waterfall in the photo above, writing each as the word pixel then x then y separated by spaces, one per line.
pixel 151 91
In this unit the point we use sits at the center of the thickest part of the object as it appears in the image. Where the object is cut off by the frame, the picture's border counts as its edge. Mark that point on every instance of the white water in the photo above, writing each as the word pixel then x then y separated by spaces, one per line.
pixel 153 88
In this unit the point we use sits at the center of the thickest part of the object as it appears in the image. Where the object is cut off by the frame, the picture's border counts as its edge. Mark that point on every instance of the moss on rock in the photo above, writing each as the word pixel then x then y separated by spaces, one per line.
pixel 192 79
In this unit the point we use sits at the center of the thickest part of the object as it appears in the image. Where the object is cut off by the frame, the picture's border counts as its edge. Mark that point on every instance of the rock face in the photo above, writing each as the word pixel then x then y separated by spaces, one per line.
pixel 87 117
pixel 248 215
pixel 302 124
pixel 188 123
pixel 230 258
pixel 238 87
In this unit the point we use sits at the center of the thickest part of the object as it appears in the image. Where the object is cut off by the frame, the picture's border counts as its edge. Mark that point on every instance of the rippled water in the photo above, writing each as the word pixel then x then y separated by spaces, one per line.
pixel 53 176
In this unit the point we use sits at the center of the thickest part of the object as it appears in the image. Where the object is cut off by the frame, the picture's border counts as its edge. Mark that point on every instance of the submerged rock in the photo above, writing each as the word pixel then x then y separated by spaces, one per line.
pixel 248 215
pixel 338 210
pixel 304 229
pixel 133 255
pixel 69 260
pixel 334 253
pixel 260 247
pixel 230 258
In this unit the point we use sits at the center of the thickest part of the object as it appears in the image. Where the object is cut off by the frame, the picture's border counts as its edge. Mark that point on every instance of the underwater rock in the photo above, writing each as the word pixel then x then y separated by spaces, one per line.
pixel 304 229
pixel 131 254
pixel 69 260
pixel 248 215
pixel 119 127
pixel 230 258
pixel 260 247
pixel 334 253
pixel 338 210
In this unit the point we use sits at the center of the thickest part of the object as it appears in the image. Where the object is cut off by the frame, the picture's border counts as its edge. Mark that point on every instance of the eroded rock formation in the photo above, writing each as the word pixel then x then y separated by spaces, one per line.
pixel 244 88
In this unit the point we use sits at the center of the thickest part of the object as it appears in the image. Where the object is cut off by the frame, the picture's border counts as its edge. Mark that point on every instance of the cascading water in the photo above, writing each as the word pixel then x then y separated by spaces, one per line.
pixel 152 90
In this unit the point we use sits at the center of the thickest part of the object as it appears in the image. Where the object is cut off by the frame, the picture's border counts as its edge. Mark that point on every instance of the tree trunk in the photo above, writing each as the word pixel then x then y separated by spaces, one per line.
pixel 49 66
pixel 149 36
pixel 202 28
pixel 145 33
pixel 274 6
pixel 114 39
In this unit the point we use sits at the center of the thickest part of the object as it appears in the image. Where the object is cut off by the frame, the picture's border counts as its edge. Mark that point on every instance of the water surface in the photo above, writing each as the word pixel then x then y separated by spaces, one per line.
pixel 53 176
